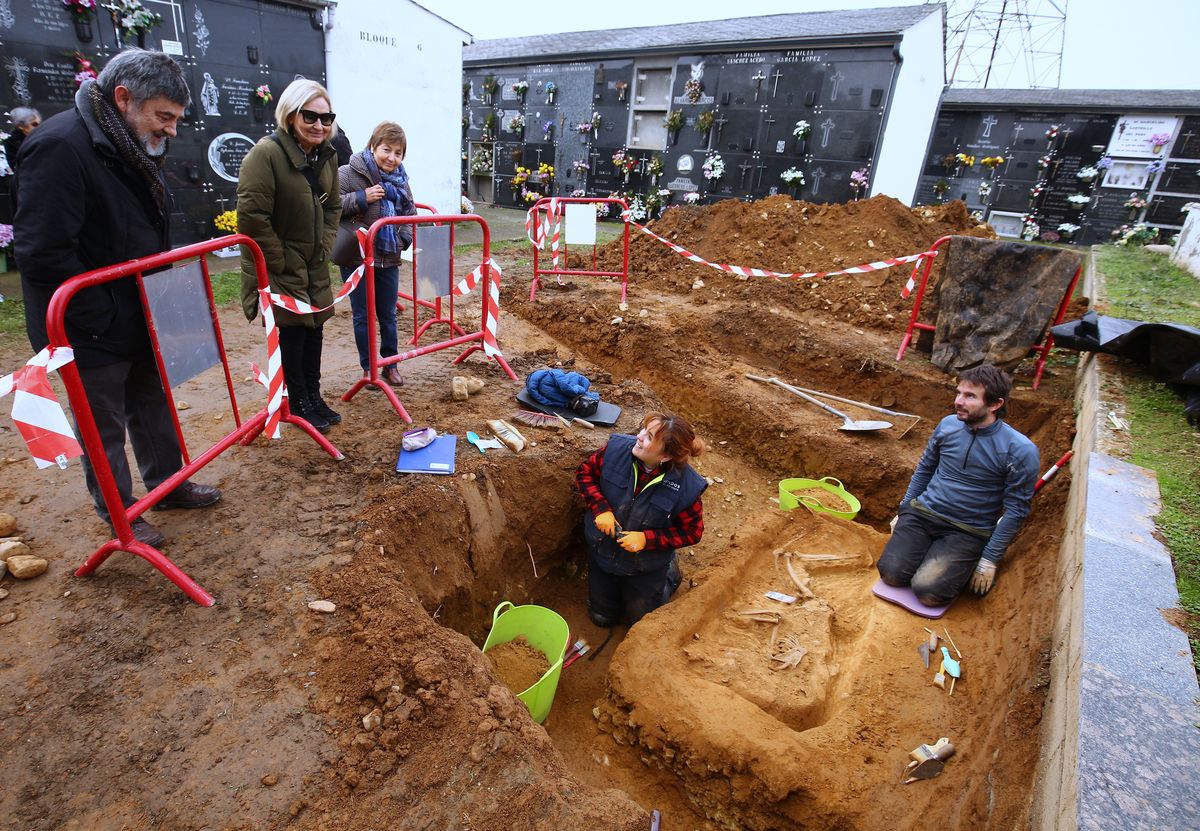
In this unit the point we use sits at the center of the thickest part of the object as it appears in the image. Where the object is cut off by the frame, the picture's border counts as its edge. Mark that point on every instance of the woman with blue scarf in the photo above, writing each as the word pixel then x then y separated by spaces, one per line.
pixel 374 184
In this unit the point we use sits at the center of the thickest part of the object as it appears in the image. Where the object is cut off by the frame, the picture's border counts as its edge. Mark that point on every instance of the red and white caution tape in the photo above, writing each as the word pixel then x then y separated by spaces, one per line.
pixel 537 232
pixel 467 284
pixel 912 278
pixel 39 417
pixel 778 275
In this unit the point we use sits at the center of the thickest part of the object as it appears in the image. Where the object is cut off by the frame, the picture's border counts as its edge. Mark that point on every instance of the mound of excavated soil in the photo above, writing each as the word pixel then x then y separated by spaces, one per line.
pixel 783 235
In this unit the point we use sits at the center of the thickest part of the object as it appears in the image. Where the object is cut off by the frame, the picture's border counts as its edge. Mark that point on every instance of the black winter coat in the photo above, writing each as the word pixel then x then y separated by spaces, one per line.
pixel 81 207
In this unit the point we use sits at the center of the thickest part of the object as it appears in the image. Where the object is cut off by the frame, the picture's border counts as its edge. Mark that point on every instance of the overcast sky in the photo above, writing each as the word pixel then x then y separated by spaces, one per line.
pixel 1110 44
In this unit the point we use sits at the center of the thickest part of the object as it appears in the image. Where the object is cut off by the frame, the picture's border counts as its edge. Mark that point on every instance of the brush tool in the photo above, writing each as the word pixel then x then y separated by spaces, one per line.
pixel 534 419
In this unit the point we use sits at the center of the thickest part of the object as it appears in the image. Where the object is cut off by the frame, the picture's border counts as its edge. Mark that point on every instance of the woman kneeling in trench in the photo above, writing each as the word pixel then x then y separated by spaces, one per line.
pixel 643 502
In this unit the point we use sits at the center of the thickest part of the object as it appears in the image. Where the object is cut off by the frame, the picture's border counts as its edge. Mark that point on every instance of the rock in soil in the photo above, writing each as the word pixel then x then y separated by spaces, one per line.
pixel 8 618
pixel 322 606
pixel 13 548
pixel 8 524
pixel 24 567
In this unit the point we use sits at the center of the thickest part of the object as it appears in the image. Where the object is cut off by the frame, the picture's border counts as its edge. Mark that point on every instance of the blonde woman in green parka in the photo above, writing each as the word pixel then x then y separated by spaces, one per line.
pixel 288 202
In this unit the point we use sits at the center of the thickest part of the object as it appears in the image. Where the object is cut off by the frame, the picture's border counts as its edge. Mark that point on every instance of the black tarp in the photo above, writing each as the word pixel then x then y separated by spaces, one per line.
pixel 1170 351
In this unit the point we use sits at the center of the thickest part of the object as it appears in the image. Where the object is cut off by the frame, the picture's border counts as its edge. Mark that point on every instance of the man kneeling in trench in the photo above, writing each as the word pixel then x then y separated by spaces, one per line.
pixel 968 497
pixel 643 502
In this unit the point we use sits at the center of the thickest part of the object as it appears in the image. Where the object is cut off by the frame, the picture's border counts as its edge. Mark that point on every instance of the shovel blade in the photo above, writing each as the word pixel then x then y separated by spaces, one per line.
pixel 852 426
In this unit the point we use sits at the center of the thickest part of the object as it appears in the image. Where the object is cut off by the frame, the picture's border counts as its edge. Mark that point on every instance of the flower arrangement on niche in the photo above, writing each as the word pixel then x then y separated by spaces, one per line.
pixel 583 128
pixel 131 17
pixel 985 190
pixel 637 209
pixel 1037 190
pixel 520 87
pixel 550 89
pixel 579 193
pixel 939 188
pixel 992 162
pixel 1135 203
pixel 859 181
pixel 1052 133
pixel 793 176
pixel 84 69
pixel 713 167
pixel 622 87
pixel 1045 161
pixel 579 167
pixel 489 126
pixel 226 221
pixel 654 167
pixel 1087 174
pixel 1140 234
pixel 691 198
pixel 693 89
pixel 263 93
pixel 1104 163
pixel 6 238
pixel 964 159
pixel 1159 140
pixel 674 121
pixel 520 177
pixel 1079 200
pixel 704 122
pixel 802 130
pixel 548 129
pixel 490 85
pixel 1067 229
pixel 80 10
pixel 481 160
pixel 624 162
pixel 516 124
pixel 1155 166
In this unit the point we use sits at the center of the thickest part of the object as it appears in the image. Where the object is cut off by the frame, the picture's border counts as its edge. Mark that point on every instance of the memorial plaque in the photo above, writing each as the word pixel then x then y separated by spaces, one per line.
pixel 1023 166
pixel 988 135
pixel 1132 135
pixel 767 175
pixel 1010 195
pixel 1187 145
pixel 744 81
pixel 829 181
pixel 219 33
pixel 614 74
pixel 509 154
pixel 849 85
pixel 841 135
pixel 701 68
pixel 1180 177
pixel 739 174
pixel 739 133
pixel 798 85
pixel 1167 211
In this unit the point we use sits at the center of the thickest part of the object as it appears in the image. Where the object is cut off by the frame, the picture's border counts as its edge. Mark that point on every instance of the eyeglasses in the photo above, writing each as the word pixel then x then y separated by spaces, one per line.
pixel 312 117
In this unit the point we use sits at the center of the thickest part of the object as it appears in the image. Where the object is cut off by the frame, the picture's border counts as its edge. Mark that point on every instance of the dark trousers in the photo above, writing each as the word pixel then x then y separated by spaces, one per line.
pixel 629 598
pixel 934 557
pixel 387 288
pixel 300 354
pixel 127 398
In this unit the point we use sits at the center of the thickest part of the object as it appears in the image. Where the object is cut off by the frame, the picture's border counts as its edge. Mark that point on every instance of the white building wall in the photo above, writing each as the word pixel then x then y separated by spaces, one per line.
pixel 912 111
pixel 396 61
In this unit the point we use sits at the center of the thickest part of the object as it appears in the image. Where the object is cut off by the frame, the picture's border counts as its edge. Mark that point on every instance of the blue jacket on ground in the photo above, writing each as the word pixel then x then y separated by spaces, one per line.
pixel 556 388
pixel 974 477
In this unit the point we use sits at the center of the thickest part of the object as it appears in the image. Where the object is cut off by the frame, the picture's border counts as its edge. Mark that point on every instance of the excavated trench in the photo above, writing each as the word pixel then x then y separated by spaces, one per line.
pixel 688 712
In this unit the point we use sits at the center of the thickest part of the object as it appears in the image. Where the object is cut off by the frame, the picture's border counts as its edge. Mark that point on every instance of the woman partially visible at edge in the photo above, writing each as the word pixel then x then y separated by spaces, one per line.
pixel 288 203
pixel 642 502
pixel 374 184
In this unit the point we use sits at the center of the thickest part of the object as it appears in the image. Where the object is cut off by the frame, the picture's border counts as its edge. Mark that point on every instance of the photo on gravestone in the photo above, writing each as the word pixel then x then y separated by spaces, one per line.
pixel 177 299
pixel 1006 223
pixel 431 256
pixel 1128 174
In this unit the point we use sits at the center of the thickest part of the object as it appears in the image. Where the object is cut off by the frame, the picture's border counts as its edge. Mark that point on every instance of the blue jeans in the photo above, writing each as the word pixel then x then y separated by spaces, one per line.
pixel 933 557
pixel 387 287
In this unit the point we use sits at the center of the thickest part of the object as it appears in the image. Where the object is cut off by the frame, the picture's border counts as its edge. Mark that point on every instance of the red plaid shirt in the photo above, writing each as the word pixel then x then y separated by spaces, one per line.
pixel 689 524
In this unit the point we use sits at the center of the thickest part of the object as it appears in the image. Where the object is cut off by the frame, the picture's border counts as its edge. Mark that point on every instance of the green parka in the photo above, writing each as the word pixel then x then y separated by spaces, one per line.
pixel 277 208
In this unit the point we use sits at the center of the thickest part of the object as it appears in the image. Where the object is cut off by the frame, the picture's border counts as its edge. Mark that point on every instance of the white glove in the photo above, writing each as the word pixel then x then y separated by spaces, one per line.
pixel 892 524
pixel 984 577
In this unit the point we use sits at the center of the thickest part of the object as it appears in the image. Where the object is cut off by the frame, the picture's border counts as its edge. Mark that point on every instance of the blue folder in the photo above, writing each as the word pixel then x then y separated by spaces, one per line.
pixel 435 457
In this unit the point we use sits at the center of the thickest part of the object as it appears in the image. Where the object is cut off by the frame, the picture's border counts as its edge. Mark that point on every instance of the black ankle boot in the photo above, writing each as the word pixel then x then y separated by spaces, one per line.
pixel 306 411
pixel 319 405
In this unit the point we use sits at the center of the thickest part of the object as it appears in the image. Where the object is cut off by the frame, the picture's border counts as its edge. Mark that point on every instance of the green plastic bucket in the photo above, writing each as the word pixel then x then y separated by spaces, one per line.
pixel 546 630
pixel 788 500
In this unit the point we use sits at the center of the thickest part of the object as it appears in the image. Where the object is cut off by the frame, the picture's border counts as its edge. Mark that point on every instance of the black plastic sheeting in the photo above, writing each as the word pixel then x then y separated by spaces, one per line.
pixel 1170 351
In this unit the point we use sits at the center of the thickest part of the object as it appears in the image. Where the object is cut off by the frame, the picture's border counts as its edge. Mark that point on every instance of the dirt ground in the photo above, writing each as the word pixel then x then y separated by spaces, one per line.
pixel 130 707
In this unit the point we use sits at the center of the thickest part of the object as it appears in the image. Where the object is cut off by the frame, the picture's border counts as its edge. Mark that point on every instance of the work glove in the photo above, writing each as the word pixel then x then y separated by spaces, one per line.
pixel 892 524
pixel 984 577
pixel 607 523
pixel 632 541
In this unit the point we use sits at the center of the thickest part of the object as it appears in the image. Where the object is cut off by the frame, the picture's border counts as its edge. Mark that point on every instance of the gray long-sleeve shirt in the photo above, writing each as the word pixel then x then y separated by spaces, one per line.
pixel 974 477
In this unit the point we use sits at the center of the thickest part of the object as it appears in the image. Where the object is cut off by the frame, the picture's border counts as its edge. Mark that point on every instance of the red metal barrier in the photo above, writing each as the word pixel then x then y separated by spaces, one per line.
pixel 488 312
pixel 1041 349
pixel 552 206
pixel 121 516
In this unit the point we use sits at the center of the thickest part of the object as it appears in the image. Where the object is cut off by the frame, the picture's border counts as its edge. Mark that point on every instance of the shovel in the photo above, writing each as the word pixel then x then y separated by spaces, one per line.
pixel 848 424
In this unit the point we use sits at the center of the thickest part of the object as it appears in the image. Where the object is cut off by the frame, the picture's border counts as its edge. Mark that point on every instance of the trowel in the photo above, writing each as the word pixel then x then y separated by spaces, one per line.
pixel 927 647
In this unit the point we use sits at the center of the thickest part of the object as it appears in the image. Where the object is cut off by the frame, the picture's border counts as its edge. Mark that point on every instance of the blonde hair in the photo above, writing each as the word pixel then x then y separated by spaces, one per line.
pixel 298 93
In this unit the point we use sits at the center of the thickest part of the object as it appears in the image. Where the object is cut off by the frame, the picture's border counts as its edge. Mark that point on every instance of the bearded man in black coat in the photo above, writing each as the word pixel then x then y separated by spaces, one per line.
pixel 92 194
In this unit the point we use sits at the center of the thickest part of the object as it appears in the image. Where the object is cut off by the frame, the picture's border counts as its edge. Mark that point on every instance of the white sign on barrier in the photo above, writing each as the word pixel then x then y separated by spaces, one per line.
pixel 581 224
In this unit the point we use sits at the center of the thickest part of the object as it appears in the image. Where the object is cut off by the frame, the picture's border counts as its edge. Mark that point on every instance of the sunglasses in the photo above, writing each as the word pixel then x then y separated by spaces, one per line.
pixel 311 117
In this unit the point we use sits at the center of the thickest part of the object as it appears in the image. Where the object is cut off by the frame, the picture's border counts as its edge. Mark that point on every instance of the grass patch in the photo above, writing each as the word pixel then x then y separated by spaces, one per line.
pixel 1141 285
pixel 226 286
pixel 12 320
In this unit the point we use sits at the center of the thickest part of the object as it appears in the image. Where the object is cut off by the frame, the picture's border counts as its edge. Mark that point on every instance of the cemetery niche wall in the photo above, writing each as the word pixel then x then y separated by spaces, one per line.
pixel 695 122
pixel 230 50
pixel 1078 166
